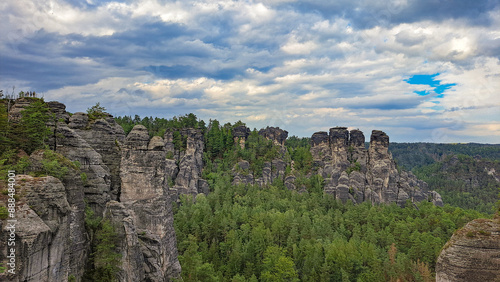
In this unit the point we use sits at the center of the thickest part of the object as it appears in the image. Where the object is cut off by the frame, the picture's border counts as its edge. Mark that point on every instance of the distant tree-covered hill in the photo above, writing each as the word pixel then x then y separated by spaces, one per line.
pixel 412 155
pixel 464 181
pixel 466 175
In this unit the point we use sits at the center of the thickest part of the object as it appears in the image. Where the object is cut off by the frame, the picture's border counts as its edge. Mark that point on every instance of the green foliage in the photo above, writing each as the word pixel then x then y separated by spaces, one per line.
pixel 295 142
pixel 71 278
pixel 179 141
pixel 277 266
pixel 169 155
pixel 218 139
pixel 55 164
pixel 302 158
pixel 158 126
pixel 27 134
pixel 193 268
pixel 5 142
pixel 96 112
pixel 83 177
pixel 77 164
pixel 106 259
pixel 355 167
pixel 33 130
pixel 273 234
pixel 3 212
pixel 103 260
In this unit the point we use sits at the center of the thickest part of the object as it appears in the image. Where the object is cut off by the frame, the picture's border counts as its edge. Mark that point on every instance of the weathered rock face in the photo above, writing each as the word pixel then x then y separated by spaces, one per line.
pixel 59 109
pixel 97 187
pixel 184 165
pixel 339 140
pixel 272 170
pixel 353 173
pixel 240 135
pixel 132 268
pixel 105 136
pixel 145 196
pixel 274 133
pixel 16 109
pixel 472 254
pixel 43 243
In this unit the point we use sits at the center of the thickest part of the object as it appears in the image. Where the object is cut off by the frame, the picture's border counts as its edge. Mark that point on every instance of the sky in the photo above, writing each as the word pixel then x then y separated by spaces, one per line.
pixel 420 70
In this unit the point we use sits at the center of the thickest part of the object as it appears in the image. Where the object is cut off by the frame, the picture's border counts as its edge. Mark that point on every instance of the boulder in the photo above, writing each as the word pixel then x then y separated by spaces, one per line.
pixel 472 253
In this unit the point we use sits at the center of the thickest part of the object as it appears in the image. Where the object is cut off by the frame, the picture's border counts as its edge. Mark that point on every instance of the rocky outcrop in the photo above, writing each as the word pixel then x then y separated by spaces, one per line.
pixel 123 180
pixel 352 172
pixel 185 161
pixel 277 135
pixel 43 243
pixel 472 254
pixel 59 110
pixel 240 135
pixel 106 137
pixel 16 109
pixel 132 267
pixel 98 179
pixel 145 196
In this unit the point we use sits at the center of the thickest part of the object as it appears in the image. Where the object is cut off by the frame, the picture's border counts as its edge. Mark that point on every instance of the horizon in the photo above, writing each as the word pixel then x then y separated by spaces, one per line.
pixel 418 70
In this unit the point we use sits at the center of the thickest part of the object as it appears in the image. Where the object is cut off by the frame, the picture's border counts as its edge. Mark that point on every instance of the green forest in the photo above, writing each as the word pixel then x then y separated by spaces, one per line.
pixel 239 233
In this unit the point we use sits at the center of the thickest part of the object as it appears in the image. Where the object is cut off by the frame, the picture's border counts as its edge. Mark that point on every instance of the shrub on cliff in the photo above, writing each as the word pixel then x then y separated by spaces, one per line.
pixel 96 112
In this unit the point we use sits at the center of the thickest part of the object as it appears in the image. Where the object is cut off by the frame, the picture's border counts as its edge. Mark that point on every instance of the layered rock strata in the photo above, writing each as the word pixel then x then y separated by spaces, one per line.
pixel 105 136
pixel 45 248
pixel 184 164
pixel 272 170
pixel 274 133
pixel 472 254
pixel 144 195
pixel 354 173
pixel 123 180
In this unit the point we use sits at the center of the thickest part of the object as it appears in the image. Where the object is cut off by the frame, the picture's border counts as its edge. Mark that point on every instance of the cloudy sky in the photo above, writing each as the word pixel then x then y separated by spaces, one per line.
pixel 421 70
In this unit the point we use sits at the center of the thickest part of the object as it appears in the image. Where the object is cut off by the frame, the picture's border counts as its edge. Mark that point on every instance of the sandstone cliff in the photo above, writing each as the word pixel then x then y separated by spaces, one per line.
pixel 472 254
pixel 185 161
pixel 352 172
pixel 124 180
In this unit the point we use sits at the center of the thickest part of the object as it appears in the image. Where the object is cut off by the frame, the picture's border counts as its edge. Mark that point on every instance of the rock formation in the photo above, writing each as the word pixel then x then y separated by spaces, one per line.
pixel 472 253
pixel 144 194
pixel 185 163
pixel 105 136
pixel 353 173
pixel 272 170
pixel 48 246
pixel 274 133
pixel 240 135
pixel 122 179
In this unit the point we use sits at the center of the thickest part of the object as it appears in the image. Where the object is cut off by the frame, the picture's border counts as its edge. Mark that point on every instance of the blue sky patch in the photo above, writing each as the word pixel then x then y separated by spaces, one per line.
pixel 429 79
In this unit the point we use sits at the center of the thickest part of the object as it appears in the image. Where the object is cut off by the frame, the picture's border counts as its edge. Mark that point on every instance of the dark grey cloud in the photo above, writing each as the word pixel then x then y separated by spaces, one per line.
pixel 376 13
pixel 186 71
pixel 46 74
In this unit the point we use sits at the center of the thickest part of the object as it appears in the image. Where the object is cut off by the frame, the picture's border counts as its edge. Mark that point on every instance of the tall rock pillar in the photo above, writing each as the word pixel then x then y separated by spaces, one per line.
pixel 144 193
